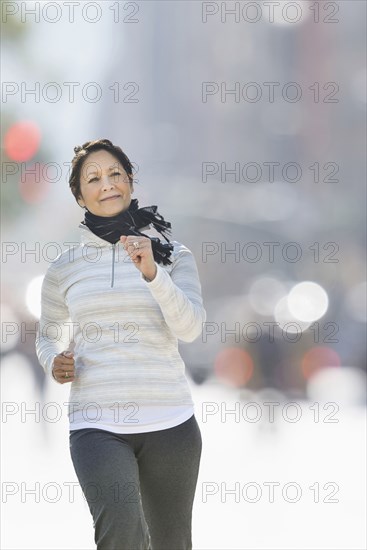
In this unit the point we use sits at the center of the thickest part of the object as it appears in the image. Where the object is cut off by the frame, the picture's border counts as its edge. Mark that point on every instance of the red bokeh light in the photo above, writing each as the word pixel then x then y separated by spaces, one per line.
pixel 318 358
pixel 22 140
pixel 234 365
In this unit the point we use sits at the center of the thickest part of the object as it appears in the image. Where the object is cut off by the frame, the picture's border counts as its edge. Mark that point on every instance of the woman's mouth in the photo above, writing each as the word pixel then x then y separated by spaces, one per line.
pixel 111 198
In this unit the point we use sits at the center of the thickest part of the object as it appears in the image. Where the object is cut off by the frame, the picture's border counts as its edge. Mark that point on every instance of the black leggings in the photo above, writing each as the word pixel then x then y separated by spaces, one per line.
pixel 140 488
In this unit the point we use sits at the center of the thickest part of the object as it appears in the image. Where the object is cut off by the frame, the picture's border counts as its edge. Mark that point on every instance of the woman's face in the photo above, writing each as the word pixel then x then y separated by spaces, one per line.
pixel 104 185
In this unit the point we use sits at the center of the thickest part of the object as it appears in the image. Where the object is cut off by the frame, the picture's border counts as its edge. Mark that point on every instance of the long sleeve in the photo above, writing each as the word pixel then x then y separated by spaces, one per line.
pixel 179 296
pixel 53 335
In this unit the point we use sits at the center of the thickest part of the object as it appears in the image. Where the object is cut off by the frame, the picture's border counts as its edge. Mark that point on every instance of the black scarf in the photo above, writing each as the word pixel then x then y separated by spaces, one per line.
pixel 128 222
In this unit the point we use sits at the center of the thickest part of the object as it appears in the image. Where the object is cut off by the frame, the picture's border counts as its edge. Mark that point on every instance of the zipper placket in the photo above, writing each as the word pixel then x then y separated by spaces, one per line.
pixel 113 264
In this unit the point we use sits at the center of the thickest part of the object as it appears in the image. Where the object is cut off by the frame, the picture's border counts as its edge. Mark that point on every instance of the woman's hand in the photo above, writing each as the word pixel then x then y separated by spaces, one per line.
pixel 143 256
pixel 63 369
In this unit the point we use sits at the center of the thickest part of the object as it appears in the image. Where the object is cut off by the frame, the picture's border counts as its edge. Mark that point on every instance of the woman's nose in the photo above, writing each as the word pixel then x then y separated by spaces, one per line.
pixel 107 183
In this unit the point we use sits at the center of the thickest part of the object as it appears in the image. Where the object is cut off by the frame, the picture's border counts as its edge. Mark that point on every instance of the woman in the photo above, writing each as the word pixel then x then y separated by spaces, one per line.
pixel 113 310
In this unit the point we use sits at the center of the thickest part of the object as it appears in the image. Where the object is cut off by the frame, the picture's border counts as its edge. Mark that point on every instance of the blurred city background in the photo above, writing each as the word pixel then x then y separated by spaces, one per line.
pixel 246 122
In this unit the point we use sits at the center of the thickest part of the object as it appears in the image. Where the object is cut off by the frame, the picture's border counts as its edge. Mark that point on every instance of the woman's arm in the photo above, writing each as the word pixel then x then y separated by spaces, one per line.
pixel 53 334
pixel 179 296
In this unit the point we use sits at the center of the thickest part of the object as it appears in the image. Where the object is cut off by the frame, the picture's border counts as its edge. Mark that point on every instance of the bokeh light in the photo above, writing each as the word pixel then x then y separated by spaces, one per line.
pixel 307 301
pixel 286 320
pixel 22 140
pixel 264 294
pixel 234 366
pixel 318 358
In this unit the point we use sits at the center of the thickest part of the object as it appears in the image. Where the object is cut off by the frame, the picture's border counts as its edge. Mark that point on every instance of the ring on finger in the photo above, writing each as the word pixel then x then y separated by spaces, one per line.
pixel 136 244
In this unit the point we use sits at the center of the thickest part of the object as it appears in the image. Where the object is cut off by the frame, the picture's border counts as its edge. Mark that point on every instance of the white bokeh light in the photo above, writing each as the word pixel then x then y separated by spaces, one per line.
pixel 307 301
pixel 287 321
pixel 264 294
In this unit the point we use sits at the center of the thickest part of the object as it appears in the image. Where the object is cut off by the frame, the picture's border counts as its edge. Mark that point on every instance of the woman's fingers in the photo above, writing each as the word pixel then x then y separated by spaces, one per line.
pixel 63 368
pixel 63 375
pixel 63 360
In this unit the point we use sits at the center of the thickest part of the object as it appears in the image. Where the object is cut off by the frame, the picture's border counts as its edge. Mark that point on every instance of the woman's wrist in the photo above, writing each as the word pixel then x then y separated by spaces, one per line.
pixel 150 275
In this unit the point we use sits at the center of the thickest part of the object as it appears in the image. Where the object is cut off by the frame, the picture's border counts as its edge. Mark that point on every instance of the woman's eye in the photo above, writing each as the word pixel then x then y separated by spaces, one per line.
pixel 113 174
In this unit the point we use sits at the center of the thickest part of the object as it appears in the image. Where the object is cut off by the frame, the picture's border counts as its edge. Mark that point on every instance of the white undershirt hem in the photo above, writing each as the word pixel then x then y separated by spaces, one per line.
pixel 150 419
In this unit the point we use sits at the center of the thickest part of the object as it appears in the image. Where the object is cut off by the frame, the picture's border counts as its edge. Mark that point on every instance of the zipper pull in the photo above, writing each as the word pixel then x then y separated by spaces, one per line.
pixel 113 264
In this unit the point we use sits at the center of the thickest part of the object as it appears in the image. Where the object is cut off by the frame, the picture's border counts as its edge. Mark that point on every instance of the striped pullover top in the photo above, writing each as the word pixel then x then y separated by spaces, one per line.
pixel 123 330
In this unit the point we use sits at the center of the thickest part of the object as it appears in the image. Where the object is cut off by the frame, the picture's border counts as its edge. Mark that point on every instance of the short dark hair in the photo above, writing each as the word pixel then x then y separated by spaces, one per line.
pixel 82 152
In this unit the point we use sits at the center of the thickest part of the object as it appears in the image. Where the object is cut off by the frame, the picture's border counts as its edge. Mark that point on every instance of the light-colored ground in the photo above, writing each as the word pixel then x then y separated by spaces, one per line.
pixel 241 461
